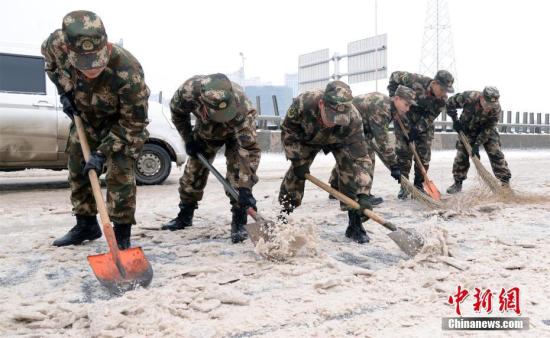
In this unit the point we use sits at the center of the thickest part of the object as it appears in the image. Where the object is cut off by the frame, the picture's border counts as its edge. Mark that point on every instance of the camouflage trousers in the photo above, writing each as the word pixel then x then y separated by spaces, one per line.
pixel 405 157
pixel 195 175
pixel 120 181
pixel 352 179
pixel 369 168
pixel 496 157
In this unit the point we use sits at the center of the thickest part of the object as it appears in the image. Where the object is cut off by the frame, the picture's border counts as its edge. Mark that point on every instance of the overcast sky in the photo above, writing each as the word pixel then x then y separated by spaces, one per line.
pixel 500 43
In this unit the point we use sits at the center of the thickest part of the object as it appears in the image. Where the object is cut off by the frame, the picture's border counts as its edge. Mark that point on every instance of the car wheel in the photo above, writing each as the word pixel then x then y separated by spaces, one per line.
pixel 153 165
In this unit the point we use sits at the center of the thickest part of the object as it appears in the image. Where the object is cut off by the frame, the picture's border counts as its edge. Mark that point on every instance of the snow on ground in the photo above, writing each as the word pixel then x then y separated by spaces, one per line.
pixel 206 287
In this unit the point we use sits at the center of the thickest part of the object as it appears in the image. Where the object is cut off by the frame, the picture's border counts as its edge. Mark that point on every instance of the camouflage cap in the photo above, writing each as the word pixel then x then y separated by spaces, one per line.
pixel 445 79
pixel 491 96
pixel 406 94
pixel 337 98
pixel 86 40
pixel 217 95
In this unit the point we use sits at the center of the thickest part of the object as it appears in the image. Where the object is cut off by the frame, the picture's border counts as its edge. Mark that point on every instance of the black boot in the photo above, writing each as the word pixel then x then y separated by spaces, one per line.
pixel 355 230
pixel 183 220
pixel 419 183
pixel 403 194
pixel 455 188
pixel 373 200
pixel 86 228
pixel 122 235
pixel 238 232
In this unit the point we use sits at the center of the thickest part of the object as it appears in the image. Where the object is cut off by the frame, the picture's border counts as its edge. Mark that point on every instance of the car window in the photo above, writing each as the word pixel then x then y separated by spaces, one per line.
pixel 22 74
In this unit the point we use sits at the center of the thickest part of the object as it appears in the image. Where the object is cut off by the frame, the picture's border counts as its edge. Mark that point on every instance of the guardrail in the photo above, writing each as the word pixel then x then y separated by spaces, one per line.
pixel 268 122
pixel 524 123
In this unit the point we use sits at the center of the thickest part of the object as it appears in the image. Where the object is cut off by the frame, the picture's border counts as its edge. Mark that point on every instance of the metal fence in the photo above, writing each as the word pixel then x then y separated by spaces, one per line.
pixel 510 122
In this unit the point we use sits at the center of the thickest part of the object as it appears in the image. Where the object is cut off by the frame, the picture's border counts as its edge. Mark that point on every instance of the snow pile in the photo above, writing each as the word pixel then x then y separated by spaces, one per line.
pixel 289 239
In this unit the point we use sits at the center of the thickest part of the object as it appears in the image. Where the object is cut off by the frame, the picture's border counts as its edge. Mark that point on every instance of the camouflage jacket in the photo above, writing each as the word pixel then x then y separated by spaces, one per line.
pixel 242 127
pixel 303 130
pixel 429 107
pixel 476 122
pixel 114 104
pixel 377 111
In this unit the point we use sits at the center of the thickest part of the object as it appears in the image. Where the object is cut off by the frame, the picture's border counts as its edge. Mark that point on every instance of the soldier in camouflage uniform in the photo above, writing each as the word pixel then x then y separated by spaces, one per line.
pixel 478 121
pixel 327 121
pixel 103 84
pixel 224 116
pixel 377 111
pixel 431 95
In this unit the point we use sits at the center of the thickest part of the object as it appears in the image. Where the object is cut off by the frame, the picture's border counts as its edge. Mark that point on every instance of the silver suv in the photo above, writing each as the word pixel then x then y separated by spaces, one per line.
pixel 34 129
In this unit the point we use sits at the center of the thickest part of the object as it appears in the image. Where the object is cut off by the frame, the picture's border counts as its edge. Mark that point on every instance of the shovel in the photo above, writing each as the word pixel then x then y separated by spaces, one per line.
pixel 429 186
pixel 262 228
pixel 408 240
pixel 117 270
pixel 405 183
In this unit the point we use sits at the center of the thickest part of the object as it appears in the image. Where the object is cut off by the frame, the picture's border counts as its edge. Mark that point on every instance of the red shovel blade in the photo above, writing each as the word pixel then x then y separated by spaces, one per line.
pixel 120 270
pixel 130 270
pixel 431 189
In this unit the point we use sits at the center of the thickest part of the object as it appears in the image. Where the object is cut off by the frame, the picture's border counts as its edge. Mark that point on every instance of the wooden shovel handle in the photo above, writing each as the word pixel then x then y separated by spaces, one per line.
pixel 94 181
pixel 350 202
pixel 466 144
pixel 413 148
pixel 463 139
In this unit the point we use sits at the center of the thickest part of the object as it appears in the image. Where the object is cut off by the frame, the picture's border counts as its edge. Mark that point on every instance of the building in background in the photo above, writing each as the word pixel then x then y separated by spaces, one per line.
pixel 237 77
pixel 291 80
pixel 265 93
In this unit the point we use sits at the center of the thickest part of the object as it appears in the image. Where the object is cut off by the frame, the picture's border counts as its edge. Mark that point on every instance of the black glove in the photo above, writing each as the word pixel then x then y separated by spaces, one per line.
pixel 452 113
pixel 69 108
pixel 475 150
pixel 246 200
pixel 396 172
pixel 95 162
pixel 413 134
pixel 364 203
pixel 194 147
pixel 300 171
pixel 457 126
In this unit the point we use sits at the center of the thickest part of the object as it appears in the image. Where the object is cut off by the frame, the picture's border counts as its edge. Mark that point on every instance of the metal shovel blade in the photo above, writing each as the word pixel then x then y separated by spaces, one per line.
pixel 408 240
pixel 260 229
pixel 131 270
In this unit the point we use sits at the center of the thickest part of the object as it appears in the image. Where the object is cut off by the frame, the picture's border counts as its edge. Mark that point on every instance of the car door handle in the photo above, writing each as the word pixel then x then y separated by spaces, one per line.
pixel 43 103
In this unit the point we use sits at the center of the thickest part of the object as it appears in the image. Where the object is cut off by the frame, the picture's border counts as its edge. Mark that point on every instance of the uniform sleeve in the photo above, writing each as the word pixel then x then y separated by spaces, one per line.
pixel 57 66
pixel 379 129
pixel 249 151
pixel 291 130
pixel 488 127
pixel 392 86
pixel 357 151
pixel 396 79
pixel 455 102
pixel 181 106
pixel 129 132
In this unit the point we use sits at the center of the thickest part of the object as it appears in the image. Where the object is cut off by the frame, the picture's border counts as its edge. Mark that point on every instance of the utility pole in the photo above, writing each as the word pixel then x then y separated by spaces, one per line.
pixel 437 44
pixel 242 70
pixel 376 52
